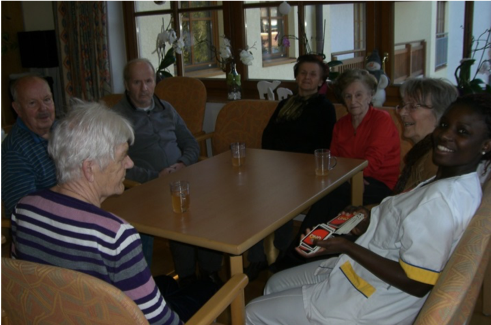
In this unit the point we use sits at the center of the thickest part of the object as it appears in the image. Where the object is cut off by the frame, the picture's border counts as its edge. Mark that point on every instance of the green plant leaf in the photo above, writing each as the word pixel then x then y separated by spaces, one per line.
pixel 166 74
pixel 476 81
pixel 168 60
pixel 333 75
pixel 334 63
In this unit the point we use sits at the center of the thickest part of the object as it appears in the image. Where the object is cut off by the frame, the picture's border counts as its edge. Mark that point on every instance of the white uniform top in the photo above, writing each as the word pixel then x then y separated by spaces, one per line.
pixel 420 230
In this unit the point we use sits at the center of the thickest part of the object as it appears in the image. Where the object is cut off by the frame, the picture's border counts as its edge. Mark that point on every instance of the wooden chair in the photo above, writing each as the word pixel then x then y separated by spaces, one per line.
pixel 112 99
pixel 240 121
pixel 188 96
pixel 35 293
pixel 452 300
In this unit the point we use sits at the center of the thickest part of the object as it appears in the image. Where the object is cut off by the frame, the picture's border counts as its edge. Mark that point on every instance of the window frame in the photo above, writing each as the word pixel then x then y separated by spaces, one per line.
pixel 283 54
pixel 379 34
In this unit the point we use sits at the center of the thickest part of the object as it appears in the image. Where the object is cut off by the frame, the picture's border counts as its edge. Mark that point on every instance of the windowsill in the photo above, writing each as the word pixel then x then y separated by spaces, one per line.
pixel 279 62
pixel 213 72
pixel 441 67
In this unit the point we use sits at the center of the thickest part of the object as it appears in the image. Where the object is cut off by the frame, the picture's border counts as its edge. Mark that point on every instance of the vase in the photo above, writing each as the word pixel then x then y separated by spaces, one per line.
pixel 233 83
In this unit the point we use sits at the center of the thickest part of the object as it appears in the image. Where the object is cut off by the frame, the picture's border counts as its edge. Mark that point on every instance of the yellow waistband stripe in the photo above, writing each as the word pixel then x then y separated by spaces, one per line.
pixel 361 285
pixel 419 274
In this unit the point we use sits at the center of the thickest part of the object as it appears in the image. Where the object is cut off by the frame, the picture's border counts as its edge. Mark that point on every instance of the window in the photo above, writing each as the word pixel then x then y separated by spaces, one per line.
pixel 198 29
pixel 313 27
pixel 272 31
pixel 197 21
pixel 441 52
pixel 322 29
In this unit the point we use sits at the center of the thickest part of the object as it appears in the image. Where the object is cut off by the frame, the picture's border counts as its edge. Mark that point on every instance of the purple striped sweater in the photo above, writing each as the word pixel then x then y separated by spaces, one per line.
pixel 59 230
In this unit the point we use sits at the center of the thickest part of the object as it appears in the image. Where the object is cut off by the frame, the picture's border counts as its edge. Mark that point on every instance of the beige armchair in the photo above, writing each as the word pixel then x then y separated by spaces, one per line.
pixel 35 293
pixel 452 300
pixel 240 121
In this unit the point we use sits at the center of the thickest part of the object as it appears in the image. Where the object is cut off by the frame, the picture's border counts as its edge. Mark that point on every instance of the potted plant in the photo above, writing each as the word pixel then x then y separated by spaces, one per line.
pixel 465 84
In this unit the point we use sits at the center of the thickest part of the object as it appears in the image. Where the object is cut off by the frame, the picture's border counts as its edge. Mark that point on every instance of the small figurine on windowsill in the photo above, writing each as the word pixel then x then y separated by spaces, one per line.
pixel 374 66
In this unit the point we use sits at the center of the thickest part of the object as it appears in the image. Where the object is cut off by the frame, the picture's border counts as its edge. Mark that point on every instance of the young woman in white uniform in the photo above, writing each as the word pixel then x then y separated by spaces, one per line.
pixel 386 275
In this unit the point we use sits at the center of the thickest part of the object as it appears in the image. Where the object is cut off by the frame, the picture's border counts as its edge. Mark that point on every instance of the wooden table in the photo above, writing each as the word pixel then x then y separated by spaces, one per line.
pixel 233 208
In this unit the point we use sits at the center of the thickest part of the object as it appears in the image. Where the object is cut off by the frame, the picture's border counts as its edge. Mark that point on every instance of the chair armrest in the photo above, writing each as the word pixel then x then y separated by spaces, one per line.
pixel 6 223
pixel 220 300
pixel 202 139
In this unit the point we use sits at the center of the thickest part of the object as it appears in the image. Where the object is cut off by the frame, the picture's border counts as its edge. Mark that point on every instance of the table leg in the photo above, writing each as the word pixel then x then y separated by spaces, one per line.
pixel 357 189
pixel 237 307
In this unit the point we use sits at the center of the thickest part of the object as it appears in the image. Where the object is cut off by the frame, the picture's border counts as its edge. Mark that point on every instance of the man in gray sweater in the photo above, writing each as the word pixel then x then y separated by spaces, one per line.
pixel 163 145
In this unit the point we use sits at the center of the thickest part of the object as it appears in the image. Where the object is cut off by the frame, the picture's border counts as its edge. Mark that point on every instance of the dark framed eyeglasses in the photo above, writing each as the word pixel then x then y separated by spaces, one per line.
pixel 411 107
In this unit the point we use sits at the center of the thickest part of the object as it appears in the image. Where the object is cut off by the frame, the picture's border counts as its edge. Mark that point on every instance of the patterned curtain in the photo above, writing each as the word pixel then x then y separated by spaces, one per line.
pixel 81 27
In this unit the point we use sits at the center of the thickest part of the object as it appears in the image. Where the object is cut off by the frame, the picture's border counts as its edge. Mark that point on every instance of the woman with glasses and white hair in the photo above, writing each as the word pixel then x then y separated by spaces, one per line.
pixel 423 102
pixel 66 227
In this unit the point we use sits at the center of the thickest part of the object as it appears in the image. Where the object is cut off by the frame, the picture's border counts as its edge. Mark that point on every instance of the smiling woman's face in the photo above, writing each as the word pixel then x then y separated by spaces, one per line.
pixel 417 118
pixel 309 78
pixel 460 139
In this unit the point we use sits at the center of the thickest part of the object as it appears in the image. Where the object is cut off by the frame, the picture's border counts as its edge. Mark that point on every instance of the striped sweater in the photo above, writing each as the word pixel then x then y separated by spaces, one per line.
pixel 56 229
pixel 26 165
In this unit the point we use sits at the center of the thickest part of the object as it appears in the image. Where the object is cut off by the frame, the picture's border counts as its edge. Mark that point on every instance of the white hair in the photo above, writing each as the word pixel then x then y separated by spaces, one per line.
pixel 89 131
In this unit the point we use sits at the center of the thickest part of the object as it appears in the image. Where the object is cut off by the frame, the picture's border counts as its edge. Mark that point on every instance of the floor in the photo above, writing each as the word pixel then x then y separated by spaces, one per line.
pixel 162 264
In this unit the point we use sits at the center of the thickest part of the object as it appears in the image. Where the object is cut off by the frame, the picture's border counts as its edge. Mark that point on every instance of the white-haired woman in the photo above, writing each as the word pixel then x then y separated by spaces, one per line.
pixel 66 227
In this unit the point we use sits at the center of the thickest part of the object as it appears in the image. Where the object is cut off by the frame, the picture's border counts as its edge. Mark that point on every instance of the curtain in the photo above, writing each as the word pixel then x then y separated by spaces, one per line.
pixel 81 27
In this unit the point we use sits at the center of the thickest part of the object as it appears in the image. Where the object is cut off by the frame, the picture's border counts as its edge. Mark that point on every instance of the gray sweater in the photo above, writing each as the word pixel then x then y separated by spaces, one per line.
pixel 161 139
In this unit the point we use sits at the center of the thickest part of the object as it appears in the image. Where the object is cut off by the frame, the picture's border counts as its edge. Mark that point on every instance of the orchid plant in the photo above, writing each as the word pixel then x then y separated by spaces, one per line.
pixel 463 71
pixel 166 59
pixel 225 55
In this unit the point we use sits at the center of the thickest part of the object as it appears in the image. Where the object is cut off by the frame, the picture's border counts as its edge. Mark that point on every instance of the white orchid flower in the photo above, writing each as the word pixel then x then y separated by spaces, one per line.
pixel 178 45
pixel 225 52
pixel 226 42
pixel 485 67
pixel 246 57
pixel 161 39
pixel 172 37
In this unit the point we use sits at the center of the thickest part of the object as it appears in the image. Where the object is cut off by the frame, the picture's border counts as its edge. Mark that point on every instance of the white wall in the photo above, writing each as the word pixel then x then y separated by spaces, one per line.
pixel 38 15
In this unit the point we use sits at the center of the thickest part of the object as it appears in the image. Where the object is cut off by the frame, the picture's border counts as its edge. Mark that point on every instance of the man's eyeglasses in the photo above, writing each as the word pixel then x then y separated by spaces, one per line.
pixel 411 107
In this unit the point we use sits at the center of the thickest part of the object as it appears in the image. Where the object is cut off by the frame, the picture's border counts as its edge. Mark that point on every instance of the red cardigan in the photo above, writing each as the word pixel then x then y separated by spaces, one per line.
pixel 376 139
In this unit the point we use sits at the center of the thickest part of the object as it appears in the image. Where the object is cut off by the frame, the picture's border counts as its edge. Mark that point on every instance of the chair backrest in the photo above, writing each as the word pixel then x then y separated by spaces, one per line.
pixel 188 96
pixel 111 99
pixel 35 293
pixel 453 298
pixel 241 121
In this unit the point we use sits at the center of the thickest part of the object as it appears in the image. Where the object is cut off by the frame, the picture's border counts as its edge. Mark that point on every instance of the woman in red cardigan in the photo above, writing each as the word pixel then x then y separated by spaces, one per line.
pixel 364 133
